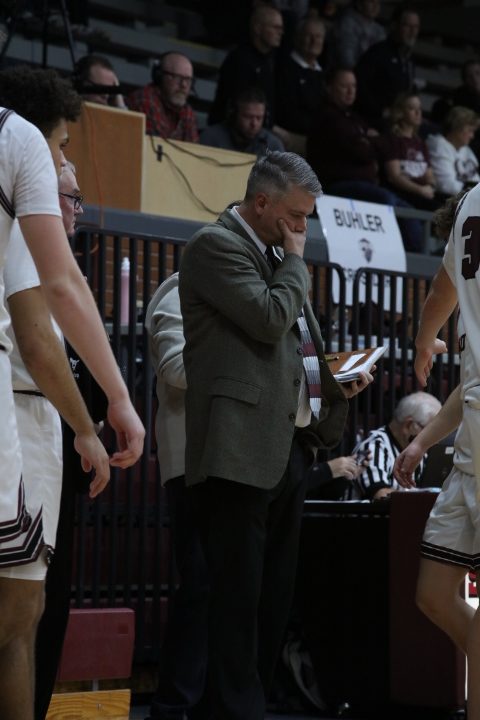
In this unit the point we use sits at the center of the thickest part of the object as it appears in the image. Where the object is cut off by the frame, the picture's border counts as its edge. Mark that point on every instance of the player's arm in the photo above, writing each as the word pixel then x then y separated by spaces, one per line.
pixel 71 302
pixel 44 357
pixel 441 425
pixel 439 305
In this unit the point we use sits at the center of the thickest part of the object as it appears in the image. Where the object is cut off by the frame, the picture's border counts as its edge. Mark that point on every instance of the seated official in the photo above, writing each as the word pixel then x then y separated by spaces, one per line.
pixel 243 129
pixel 385 443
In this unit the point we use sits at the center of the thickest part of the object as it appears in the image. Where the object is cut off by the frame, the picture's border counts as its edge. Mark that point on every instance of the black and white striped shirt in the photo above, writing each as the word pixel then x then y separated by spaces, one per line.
pixel 383 448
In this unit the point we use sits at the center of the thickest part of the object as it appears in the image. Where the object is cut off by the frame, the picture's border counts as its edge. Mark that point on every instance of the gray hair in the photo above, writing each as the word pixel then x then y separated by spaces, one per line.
pixel 303 25
pixel 276 172
pixel 460 117
pixel 420 406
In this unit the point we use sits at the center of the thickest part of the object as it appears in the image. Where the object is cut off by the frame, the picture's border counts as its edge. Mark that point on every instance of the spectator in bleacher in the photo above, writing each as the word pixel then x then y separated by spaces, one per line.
pixel 243 130
pixel 97 70
pixel 325 9
pixel 405 156
pixel 468 93
pixel 354 31
pixel 385 443
pixel 454 163
pixel 465 95
pixel 183 661
pixel 300 82
pixel 387 68
pixel 339 146
pixel 251 64
pixel 164 101
pixel 342 149
pixel 293 12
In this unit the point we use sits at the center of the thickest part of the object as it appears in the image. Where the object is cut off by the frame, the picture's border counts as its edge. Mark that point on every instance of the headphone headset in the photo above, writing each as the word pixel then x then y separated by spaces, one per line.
pixel 157 67
pixel 157 71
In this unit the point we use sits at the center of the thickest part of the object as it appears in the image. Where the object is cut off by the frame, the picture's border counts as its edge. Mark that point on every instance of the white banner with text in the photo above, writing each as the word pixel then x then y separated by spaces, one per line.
pixel 362 234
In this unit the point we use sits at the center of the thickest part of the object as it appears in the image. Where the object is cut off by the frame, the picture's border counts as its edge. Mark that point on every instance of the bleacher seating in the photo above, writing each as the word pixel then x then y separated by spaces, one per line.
pixel 132 33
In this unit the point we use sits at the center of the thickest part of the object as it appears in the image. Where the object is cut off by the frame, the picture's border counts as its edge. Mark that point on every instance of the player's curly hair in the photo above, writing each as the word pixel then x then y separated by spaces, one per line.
pixel 41 96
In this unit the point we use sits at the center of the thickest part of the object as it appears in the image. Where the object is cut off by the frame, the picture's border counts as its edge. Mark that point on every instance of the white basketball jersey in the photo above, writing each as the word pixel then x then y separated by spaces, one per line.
pixel 462 263
pixel 462 458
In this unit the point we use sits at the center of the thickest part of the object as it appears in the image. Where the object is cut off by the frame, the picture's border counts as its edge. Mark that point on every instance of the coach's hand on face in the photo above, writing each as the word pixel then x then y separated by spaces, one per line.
pixel 293 236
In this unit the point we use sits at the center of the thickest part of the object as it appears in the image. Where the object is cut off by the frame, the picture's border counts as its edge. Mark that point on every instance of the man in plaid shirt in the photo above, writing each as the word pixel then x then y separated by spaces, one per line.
pixel 164 100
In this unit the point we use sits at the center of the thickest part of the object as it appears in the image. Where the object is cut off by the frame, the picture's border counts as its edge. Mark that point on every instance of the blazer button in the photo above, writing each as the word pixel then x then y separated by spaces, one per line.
pixel 297 381
pixel 292 416
pixel 299 350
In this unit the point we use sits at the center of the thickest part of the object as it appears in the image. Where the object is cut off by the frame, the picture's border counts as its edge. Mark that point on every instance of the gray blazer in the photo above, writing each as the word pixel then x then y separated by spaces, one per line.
pixel 243 359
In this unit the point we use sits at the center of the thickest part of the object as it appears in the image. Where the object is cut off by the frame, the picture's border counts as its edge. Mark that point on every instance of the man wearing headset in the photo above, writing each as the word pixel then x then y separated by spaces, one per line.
pixel 96 71
pixel 164 100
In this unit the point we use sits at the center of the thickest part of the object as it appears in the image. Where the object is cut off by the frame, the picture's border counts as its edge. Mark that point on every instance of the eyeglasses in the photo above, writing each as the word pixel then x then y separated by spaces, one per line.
pixel 179 78
pixel 77 200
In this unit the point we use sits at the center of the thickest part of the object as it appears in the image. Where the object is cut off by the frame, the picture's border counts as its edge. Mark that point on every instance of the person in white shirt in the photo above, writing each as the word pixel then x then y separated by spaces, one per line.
pixel 453 161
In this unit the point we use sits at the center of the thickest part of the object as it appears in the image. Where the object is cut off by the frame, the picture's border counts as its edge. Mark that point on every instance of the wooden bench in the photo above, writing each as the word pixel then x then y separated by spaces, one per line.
pixel 98 645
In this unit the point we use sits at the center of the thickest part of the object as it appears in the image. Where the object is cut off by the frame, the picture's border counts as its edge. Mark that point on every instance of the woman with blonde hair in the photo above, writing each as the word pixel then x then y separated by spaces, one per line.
pixel 406 160
pixel 453 161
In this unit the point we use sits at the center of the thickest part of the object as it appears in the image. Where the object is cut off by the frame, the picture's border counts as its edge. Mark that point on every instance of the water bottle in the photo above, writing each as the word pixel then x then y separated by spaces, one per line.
pixel 125 291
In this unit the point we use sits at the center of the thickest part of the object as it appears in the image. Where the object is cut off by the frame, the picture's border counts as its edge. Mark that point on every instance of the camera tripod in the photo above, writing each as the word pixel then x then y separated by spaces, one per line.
pixel 14 14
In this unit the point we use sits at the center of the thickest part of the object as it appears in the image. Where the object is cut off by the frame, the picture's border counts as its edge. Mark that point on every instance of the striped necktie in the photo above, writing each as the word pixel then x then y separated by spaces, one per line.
pixel 311 366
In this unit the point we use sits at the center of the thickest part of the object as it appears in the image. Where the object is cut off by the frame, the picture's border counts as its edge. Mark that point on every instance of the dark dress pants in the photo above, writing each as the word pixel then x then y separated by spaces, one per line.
pixel 251 540
pixel 183 661
pixel 53 623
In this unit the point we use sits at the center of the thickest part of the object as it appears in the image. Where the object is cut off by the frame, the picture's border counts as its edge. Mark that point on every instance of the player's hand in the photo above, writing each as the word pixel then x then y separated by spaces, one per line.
pixel 292 238
pixel 424 359
pixel 356 386
pixel 129 431
pixel 406 463
pixel 93 456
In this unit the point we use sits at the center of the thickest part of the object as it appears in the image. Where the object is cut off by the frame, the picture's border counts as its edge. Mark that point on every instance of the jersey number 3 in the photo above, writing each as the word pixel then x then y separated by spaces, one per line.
pixel 471 259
